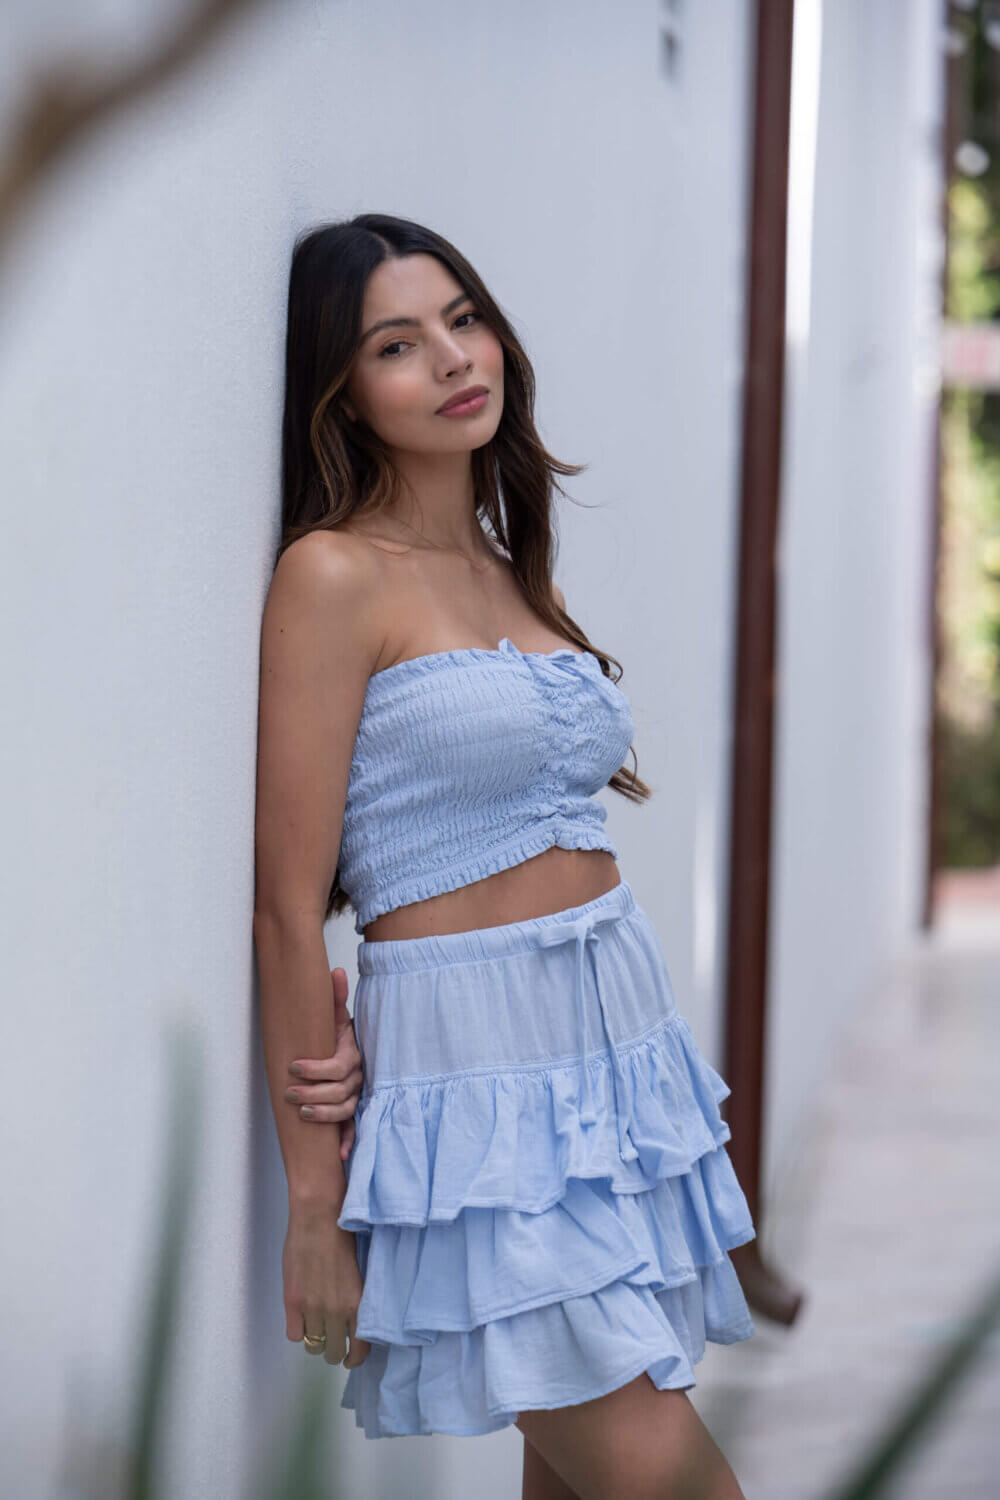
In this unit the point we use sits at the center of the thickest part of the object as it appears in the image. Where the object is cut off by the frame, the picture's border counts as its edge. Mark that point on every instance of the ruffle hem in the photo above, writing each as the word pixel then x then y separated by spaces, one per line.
pixel 516 1257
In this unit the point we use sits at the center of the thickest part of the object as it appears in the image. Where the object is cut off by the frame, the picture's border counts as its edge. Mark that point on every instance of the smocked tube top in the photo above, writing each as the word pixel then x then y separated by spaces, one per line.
pixel 469 761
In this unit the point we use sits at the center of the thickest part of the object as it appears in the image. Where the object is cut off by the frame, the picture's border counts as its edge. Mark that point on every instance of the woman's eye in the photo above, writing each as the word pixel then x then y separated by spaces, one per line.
pixel 396 343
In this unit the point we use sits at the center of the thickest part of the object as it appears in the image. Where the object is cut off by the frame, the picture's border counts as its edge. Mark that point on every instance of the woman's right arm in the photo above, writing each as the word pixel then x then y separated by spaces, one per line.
pixel 319 643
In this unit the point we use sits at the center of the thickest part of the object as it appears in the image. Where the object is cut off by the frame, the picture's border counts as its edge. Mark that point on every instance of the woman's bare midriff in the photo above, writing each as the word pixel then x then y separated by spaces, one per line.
pixel 547 883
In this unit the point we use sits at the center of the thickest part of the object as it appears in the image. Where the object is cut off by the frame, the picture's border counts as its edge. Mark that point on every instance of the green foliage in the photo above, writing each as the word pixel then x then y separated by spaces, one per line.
pixel 973 252
pixel 970 795
pixel 968 688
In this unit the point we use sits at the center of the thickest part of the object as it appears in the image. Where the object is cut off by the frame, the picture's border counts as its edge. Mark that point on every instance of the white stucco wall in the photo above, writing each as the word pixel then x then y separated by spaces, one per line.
pixel 850 815
pixel 140 399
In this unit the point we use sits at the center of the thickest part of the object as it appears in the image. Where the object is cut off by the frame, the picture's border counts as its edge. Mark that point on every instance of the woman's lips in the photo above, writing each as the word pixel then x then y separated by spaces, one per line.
pixel 465 408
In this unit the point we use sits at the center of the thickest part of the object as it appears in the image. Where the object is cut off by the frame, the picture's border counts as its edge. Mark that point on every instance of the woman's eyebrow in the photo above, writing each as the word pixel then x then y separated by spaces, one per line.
pixel 411 322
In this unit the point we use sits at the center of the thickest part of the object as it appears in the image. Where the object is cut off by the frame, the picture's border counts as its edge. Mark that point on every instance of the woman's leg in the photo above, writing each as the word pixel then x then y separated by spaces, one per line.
pixel 635 1443
pixel 540 1482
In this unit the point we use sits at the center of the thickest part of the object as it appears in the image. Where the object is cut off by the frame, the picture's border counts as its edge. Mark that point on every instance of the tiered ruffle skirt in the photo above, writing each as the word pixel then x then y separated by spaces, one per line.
pixel 539 1187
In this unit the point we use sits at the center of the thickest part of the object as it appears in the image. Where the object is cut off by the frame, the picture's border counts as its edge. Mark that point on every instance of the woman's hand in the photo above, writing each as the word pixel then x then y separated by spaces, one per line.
pixel 322 1283
pixel 328 1088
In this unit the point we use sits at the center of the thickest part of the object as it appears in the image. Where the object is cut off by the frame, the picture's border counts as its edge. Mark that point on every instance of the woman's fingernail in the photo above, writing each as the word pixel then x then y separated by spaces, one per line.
pixel 308 1111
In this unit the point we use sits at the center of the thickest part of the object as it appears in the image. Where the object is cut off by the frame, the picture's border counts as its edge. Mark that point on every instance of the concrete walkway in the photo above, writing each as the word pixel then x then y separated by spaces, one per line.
pixel 892 1230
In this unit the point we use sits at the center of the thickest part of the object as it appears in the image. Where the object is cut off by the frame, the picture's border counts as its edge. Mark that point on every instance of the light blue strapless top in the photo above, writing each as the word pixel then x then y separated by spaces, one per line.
pixel 469 761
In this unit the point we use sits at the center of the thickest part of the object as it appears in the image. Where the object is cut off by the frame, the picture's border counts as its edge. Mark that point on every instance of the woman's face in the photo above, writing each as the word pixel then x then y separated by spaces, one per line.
pixel 433 344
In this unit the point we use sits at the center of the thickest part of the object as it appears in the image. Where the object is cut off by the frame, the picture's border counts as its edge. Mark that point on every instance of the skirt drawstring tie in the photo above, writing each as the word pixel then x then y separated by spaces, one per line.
pixel 584 931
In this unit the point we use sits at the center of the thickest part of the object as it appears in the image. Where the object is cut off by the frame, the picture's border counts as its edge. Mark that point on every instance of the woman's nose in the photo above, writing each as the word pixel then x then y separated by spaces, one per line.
pixel 457 362
pixel 452 354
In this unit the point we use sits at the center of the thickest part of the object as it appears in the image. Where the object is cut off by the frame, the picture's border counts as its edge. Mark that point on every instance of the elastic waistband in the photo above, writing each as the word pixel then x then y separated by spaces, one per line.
pixel 400 955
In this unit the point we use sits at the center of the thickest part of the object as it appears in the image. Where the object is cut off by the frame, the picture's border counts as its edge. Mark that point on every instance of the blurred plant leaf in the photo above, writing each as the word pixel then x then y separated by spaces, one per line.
pixel 910 1425
pixel 68 99
pixel 182 1132
pixel 301 1469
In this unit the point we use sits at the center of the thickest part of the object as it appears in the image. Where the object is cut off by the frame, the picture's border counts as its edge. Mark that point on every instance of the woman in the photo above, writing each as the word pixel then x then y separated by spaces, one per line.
pixel 530 1220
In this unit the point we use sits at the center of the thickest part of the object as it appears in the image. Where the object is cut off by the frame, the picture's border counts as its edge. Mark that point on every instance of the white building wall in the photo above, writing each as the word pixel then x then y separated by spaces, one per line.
pixel 849 831
pixel 140 399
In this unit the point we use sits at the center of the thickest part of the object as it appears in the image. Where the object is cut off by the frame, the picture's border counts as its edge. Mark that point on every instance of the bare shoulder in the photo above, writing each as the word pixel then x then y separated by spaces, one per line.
pixel 329 582
pixel 327 558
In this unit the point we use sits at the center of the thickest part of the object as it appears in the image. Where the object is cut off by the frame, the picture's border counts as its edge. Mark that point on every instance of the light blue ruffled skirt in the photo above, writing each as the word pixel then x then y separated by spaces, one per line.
pixel 539 1186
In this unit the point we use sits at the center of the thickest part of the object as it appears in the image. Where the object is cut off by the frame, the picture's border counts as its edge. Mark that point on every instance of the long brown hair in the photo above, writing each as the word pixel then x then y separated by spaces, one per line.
pixel 332 468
